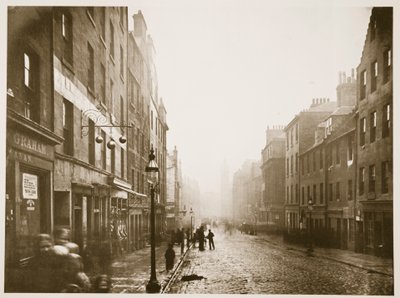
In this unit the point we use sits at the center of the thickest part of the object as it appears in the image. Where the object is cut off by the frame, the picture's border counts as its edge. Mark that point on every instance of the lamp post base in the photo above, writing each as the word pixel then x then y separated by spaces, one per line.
pixel 153 286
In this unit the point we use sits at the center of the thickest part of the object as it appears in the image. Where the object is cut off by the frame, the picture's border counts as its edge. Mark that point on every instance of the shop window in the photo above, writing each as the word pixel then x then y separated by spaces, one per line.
pixel 68 132
pixel 66 31
pixel 96 217
pixel 363 129
pixel 61 208
pixel 387 65
pixel 374 75
pixel 385 176
pixel 385 120
pixel 371 179
pixel 361 181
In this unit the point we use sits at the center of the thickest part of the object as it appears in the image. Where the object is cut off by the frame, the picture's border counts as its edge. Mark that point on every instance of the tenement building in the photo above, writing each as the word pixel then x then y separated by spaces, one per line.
pixel 374 212
pixel 300 137
pixel 273 179
pixel 82 113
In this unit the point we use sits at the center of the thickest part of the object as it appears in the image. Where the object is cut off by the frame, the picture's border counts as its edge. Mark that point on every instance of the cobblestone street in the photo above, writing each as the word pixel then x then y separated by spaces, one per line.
pixel 244 264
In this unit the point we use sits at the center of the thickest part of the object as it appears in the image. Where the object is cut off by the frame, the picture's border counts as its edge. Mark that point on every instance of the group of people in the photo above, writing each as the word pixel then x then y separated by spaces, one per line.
pixel 179 238
pixel 57 266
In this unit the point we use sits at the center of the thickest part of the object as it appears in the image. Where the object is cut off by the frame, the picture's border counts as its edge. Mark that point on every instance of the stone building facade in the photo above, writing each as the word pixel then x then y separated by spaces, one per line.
pixel 273 174
pixel 375 136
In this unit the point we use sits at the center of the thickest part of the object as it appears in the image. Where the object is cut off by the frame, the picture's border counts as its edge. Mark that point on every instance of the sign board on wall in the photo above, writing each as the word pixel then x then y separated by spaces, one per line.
pixel 29 186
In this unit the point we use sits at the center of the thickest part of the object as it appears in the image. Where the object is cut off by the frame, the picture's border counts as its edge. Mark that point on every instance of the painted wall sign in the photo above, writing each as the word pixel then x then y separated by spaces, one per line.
pixel 29 186
pixel 28 144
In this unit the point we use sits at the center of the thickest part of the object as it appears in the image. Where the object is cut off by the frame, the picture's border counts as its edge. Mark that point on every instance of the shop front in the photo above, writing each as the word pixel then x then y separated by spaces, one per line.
pixel 29 183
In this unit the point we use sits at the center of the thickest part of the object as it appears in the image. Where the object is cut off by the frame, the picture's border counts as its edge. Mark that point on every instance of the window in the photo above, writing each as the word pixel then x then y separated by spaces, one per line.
pixel 373 30
pixel 291 137
pixel 350 190
pixel 103 83
pixel 374 75
pixel 329 155
pixel 385 121
pixel 133 179
pixel 91 137
pixel 297 194
pixel 121 66
pixel 103 23
pixel 297 162
pixel 32 89
pixel 350 148
pixel 321 159
pixel 363 129
pixel 66 31
pixel 302 195
pixel 103 151
pixel 122 110
pixel 297 133
pixel 291 194
pixel 68 133
pixel 287 167
pixel 321 193
pixel 111 40
pixel 314 198
pixel 308 193
pixel 291 165
pixel 387 65
pixel 302 165
pixel 385 176
pixel 361 181
pixel 122 163
pixel 371 179
pixel 287 194
pixel 363 83
pixel 112 160
pixel 337 192
pixel 337 152
pixel 314 161
pixel 91 67
pixel 308 163
pixel 330 192
pixel 287 140
pixel 112 95
pixel 372 125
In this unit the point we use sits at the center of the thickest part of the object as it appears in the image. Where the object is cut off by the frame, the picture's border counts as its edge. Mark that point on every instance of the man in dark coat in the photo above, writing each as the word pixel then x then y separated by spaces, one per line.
pixel 210 238
pixel 169 257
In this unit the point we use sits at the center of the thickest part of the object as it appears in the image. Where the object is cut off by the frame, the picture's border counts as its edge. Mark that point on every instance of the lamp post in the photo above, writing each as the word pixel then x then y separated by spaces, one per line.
pixel 152 286
pixel 310 242
pixel 191 223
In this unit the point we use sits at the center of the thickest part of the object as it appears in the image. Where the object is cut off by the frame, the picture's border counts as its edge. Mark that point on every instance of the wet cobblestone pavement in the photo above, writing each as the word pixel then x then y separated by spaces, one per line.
pixel 244 264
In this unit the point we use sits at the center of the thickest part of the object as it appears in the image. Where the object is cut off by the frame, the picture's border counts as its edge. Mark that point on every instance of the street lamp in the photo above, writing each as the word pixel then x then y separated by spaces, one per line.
pixel 310 242
pixel 152 286
pixel 191 223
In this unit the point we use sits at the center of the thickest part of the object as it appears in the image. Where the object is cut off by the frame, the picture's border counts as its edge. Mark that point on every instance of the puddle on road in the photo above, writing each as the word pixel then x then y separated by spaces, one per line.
pixel 192 277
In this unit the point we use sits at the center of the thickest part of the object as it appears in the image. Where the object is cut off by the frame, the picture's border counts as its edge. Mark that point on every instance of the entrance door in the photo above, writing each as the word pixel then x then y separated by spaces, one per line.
pixel 388 235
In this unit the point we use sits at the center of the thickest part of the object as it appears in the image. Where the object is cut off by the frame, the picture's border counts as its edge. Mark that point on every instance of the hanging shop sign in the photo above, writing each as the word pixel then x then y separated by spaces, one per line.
pixel 29 186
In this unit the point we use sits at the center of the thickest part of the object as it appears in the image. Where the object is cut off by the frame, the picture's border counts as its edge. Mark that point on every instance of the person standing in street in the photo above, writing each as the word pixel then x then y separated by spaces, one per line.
pixel 210 238
pixel 169 257
pixel 188 238
pixel 201 238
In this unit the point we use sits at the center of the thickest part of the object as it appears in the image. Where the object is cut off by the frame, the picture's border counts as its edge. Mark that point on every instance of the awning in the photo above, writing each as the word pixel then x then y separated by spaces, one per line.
pixel 120 192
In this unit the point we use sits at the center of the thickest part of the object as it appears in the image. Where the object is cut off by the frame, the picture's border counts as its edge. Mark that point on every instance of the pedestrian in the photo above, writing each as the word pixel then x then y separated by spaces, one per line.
pixel 169 257
pixel 210 238
pixel 188 238
pixel 201 238
pixel 75 280
pixel 181 240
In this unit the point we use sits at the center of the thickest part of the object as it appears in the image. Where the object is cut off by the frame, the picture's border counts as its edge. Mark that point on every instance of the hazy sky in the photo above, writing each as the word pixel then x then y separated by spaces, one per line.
pixel 227 69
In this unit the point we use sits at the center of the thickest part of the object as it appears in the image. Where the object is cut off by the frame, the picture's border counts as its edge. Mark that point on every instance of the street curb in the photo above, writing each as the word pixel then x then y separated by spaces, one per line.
pixel 172 276
pixel 340 261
